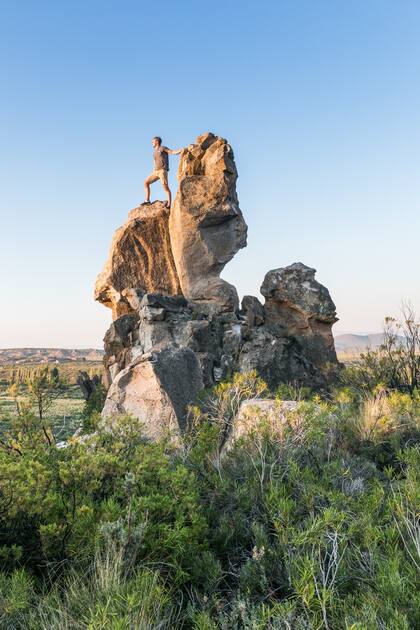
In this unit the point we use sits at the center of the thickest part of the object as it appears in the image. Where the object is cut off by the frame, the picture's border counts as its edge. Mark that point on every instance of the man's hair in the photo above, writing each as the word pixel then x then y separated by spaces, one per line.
pixel 158 138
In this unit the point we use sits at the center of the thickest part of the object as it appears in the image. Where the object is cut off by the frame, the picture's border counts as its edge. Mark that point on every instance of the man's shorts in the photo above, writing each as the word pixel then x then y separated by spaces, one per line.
pixel 161 174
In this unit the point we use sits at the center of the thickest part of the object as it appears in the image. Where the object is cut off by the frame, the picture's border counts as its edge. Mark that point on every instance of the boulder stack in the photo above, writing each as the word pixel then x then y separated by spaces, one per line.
pixel 177 325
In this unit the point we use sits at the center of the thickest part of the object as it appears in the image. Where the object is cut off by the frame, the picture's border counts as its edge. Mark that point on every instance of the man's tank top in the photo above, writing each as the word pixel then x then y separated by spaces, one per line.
pixel 160 158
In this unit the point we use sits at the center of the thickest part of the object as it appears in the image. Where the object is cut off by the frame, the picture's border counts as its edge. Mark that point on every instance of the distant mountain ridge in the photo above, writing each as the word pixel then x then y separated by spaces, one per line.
pixel 346 343
pixel 343 343
pixel 48 355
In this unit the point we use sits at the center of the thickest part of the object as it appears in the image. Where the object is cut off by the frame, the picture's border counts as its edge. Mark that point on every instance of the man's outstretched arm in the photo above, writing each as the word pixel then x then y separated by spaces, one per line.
pixel 171 151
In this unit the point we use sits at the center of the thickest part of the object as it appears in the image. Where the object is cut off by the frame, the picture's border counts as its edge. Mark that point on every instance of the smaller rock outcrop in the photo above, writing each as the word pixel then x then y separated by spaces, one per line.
pixel 298 306
pixel 156 388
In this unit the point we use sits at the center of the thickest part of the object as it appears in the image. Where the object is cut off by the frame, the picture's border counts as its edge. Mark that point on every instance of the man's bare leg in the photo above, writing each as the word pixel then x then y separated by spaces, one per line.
pixel 149 180
pixel 168 195
pixel 146 191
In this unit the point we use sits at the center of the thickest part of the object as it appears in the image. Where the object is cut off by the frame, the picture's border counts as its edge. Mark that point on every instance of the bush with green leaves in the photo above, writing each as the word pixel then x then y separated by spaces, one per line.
pixel 53 500
pixel 311 528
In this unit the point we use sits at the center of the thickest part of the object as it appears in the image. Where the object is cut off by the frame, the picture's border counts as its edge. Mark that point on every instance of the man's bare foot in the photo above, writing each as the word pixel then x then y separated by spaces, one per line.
pixel 147 201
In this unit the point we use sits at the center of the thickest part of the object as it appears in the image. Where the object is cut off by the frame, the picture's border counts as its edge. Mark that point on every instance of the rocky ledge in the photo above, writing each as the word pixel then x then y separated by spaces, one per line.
pixel 178 327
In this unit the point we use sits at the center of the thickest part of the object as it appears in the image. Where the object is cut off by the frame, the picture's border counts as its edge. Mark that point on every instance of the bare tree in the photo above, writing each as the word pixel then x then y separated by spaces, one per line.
pixel 401 347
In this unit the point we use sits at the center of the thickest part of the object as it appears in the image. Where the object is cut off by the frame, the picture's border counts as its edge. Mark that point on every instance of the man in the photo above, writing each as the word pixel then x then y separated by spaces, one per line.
pixel 161 168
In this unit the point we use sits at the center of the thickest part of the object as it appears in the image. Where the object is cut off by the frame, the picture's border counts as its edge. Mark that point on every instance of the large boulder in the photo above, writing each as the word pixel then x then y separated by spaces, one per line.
pixel 140 260
pixel 206 224
pixel 157 389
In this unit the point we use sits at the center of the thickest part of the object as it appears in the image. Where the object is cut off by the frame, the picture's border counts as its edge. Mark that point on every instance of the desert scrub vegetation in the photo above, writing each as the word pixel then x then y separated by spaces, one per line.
pixel 69 370
pixel 308 523
pixel 52 393
pixel 395 365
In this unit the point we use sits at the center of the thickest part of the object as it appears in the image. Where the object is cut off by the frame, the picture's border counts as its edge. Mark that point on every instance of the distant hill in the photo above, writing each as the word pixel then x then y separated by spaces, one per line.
pixel 48 355
pixel 358 343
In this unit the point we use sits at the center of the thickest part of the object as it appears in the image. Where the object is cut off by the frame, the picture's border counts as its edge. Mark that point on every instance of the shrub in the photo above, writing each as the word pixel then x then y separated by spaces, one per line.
pixel 395 365
pixel 101 597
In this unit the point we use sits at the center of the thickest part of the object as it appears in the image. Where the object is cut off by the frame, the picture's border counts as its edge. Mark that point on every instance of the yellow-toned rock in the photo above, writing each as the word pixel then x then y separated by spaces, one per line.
pixel 140 260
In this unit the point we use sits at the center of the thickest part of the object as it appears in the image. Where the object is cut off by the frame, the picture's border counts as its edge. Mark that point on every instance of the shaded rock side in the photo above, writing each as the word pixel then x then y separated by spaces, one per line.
pixel 206 224
pixel 156 389
pixel 298 306
pixel 279 359
pixel 140 261
pixel 159 357
pixel 120 338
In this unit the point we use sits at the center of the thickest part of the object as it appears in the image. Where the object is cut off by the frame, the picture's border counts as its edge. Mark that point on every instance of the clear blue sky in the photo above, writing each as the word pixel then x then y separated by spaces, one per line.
pixel 320 101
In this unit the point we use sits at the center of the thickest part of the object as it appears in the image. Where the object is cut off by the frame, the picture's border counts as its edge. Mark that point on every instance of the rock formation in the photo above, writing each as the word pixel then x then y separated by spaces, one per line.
pixel 301 308
pixel 185 250
pixel 206 225
pixel 177 325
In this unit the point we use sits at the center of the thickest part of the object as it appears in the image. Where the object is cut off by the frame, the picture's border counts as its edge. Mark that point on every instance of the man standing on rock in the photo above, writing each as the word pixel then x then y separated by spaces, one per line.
pixel 160 170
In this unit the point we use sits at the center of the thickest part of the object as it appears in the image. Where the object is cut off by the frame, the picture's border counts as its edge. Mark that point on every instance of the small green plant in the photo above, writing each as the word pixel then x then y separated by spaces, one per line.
pixel 291 391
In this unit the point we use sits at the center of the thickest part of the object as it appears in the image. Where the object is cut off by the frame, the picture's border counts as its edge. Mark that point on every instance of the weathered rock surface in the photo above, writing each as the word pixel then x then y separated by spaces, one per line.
pixel 298 306
pixel 157 389
pixel 206 225
pixel 140 260
pixel 177 325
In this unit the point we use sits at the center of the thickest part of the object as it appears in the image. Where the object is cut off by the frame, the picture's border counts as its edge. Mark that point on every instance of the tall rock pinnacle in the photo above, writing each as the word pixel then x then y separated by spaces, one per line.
pixel 181 251
pixel 206 225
